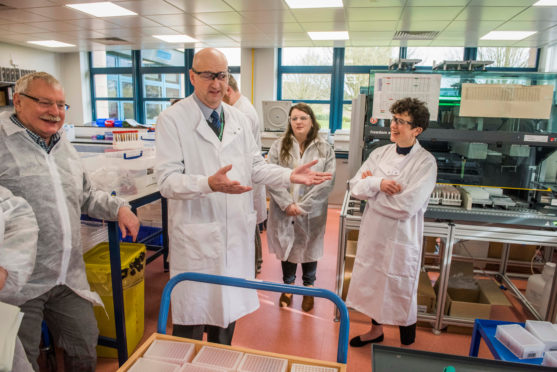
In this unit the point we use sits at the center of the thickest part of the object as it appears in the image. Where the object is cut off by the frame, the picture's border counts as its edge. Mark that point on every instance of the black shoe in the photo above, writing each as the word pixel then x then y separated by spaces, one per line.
pixel 357 341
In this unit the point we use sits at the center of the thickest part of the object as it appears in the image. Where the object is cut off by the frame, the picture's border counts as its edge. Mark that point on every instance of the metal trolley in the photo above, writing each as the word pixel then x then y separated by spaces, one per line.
pixel 267 286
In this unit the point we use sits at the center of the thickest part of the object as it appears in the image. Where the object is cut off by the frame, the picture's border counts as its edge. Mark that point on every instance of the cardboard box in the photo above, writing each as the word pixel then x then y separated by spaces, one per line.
pixel 352 235
pixel 426 294
pixel 489 294
pixel 3 101
pixel 348 267
pixel 518 252
pixel 429 244
pixel 351 248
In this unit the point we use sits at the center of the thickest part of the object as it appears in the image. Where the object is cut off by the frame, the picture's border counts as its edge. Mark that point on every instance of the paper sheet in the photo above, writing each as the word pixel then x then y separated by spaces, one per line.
pixel 10 319
pixel 391 87
pixel 506 101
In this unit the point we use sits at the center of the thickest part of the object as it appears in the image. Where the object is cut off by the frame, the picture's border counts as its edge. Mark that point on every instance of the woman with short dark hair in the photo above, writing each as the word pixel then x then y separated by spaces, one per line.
pixel 396 181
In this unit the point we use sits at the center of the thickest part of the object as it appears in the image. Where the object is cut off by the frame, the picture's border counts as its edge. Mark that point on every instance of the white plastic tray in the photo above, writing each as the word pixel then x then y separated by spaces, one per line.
pixel 228 360
pixel 545 332
pixel 309 368
pixel 170 351
pixel 519 341
pixel 261 363
pixel 148 365
pixel 188 367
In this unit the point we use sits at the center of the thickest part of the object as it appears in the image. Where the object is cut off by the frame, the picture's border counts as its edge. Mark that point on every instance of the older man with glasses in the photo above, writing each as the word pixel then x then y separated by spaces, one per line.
pixel 207 163
pixel 39 164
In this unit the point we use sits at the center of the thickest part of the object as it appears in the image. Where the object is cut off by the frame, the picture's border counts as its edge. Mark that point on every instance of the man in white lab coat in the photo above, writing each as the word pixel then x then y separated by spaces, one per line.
pixel 207 162
pixel 39 164
pixel 396 181
pixel 234 98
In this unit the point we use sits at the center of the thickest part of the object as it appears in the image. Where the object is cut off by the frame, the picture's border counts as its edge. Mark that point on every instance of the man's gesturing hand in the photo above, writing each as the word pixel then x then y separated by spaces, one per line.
pixel 219 182
pixel 304 175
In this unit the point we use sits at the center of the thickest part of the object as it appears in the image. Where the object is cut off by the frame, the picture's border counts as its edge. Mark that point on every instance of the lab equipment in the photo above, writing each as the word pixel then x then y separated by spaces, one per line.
pixel 519 341
pixel 261 363
pixel 227 360
pixel 171 351
pixel 544 332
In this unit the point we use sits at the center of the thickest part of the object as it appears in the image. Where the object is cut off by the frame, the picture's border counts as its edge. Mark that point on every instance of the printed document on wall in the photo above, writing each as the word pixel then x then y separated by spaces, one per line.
pixel 389 88
pixel 506 101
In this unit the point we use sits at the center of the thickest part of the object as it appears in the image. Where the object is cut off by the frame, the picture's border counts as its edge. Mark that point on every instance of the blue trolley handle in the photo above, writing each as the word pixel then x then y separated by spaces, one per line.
pixel 267 286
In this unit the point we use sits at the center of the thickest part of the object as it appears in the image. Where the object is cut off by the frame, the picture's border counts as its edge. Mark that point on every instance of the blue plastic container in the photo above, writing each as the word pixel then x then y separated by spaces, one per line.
pixel 117 123
pixel 144 232
pixel 100 122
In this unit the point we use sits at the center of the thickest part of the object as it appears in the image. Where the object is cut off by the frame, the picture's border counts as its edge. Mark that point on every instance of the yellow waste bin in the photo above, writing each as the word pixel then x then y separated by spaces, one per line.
pixel 97 265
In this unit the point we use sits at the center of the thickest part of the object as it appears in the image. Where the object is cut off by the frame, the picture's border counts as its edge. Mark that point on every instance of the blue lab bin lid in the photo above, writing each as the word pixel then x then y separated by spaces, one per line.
pixel 100 122
pixel 118 123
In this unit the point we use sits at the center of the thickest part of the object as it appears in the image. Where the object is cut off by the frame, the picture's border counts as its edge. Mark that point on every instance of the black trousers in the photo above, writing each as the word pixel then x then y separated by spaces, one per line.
pixel 215 334
pixel 407 333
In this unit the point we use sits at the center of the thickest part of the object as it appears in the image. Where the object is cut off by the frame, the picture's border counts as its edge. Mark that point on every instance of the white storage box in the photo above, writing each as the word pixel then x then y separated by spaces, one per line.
pixel 519 341
pixel 228 360
pixel 188 367
pixel 170 351
pixel 545 332
pixel 310 368
pixel 261 363
pixel 149 365
pixel 550 359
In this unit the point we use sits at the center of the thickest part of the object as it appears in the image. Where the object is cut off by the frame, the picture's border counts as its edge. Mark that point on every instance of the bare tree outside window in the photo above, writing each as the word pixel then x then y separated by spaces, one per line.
pixel 508 57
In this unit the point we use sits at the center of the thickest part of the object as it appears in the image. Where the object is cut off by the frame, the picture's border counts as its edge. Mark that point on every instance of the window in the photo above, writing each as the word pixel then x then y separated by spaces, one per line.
pixel 435 55
pixel 162 57
pixel 376 56
pixel 509 57
pixel 308 87
pixel 307 56
pixel 112 58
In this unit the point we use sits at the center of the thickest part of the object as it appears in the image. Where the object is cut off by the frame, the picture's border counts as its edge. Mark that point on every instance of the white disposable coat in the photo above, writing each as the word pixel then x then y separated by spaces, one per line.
pixel 259 195
pixel 18 243
pixel 210 232
pixel 300 239
pixel 57 188
pixel 385 277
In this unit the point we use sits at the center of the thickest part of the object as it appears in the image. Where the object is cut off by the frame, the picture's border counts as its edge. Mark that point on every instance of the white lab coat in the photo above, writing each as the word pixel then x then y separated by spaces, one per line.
pixel 300 239
pixel 386 270
pixel 210 232
pixel 18 242
pixel 259 195
pixel 59 191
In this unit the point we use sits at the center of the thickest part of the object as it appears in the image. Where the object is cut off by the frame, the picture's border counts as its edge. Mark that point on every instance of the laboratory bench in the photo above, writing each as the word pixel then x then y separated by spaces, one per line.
pixel 453 225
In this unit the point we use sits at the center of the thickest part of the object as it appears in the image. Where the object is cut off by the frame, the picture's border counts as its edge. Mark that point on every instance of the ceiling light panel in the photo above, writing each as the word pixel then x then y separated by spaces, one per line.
pixel 51 43
pixel 333 35
pixel 507 35
pixel 546 3
pixel 301 4
pixel 102 9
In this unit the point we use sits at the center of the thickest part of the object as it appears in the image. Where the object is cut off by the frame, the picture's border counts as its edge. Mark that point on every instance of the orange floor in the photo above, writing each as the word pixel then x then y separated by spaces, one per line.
pixel 290 330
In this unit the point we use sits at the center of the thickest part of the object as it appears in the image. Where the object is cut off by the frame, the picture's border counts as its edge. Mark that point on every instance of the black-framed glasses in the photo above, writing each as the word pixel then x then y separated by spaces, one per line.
pixel 400 121
pixel 208 75
pixel 46 103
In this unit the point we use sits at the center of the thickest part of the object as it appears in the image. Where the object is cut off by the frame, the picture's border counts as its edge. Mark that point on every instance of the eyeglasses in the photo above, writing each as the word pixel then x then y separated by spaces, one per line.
pixel 400 121
pixel 303 118
pixel 208 75
pixel 45 103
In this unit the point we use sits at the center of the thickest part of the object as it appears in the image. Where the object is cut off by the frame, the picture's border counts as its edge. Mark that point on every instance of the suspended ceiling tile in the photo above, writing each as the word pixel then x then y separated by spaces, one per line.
pixel 473 26
pixel 489 13
pixel 279 27
pixel 161 30
pixel 373 14
pixel 537 14
pixel 21 4
pixel 366 43
pixel 525 26
pixel 93 24
pixel 453 35
pixel 293 36
pixel 418 43
pixel 495 43
pixel 150 7
pixel 524 3
pixel 254 5
pixel 204 6
pixel 323 43
pixel 271 16
pixel 324 26
pixel 22 16
pixel 237 28
pixel 296 44
pixel 171 20
pixel 219 18
pixel 133 22
pixel 57 26
pixel 195 30
pixel 422 25
pixel 319 15
pixel 372 26
pixel 22 28
pixel 438 3
pixel 431 13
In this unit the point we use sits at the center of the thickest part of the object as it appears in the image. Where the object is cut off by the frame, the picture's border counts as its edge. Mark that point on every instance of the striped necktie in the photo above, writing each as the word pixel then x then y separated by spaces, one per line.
pixel 215 123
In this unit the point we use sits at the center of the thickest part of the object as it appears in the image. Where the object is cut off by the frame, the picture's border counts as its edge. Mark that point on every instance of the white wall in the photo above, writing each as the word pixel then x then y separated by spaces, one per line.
pixel 75 79
pixel 28 58
pixel 265 76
